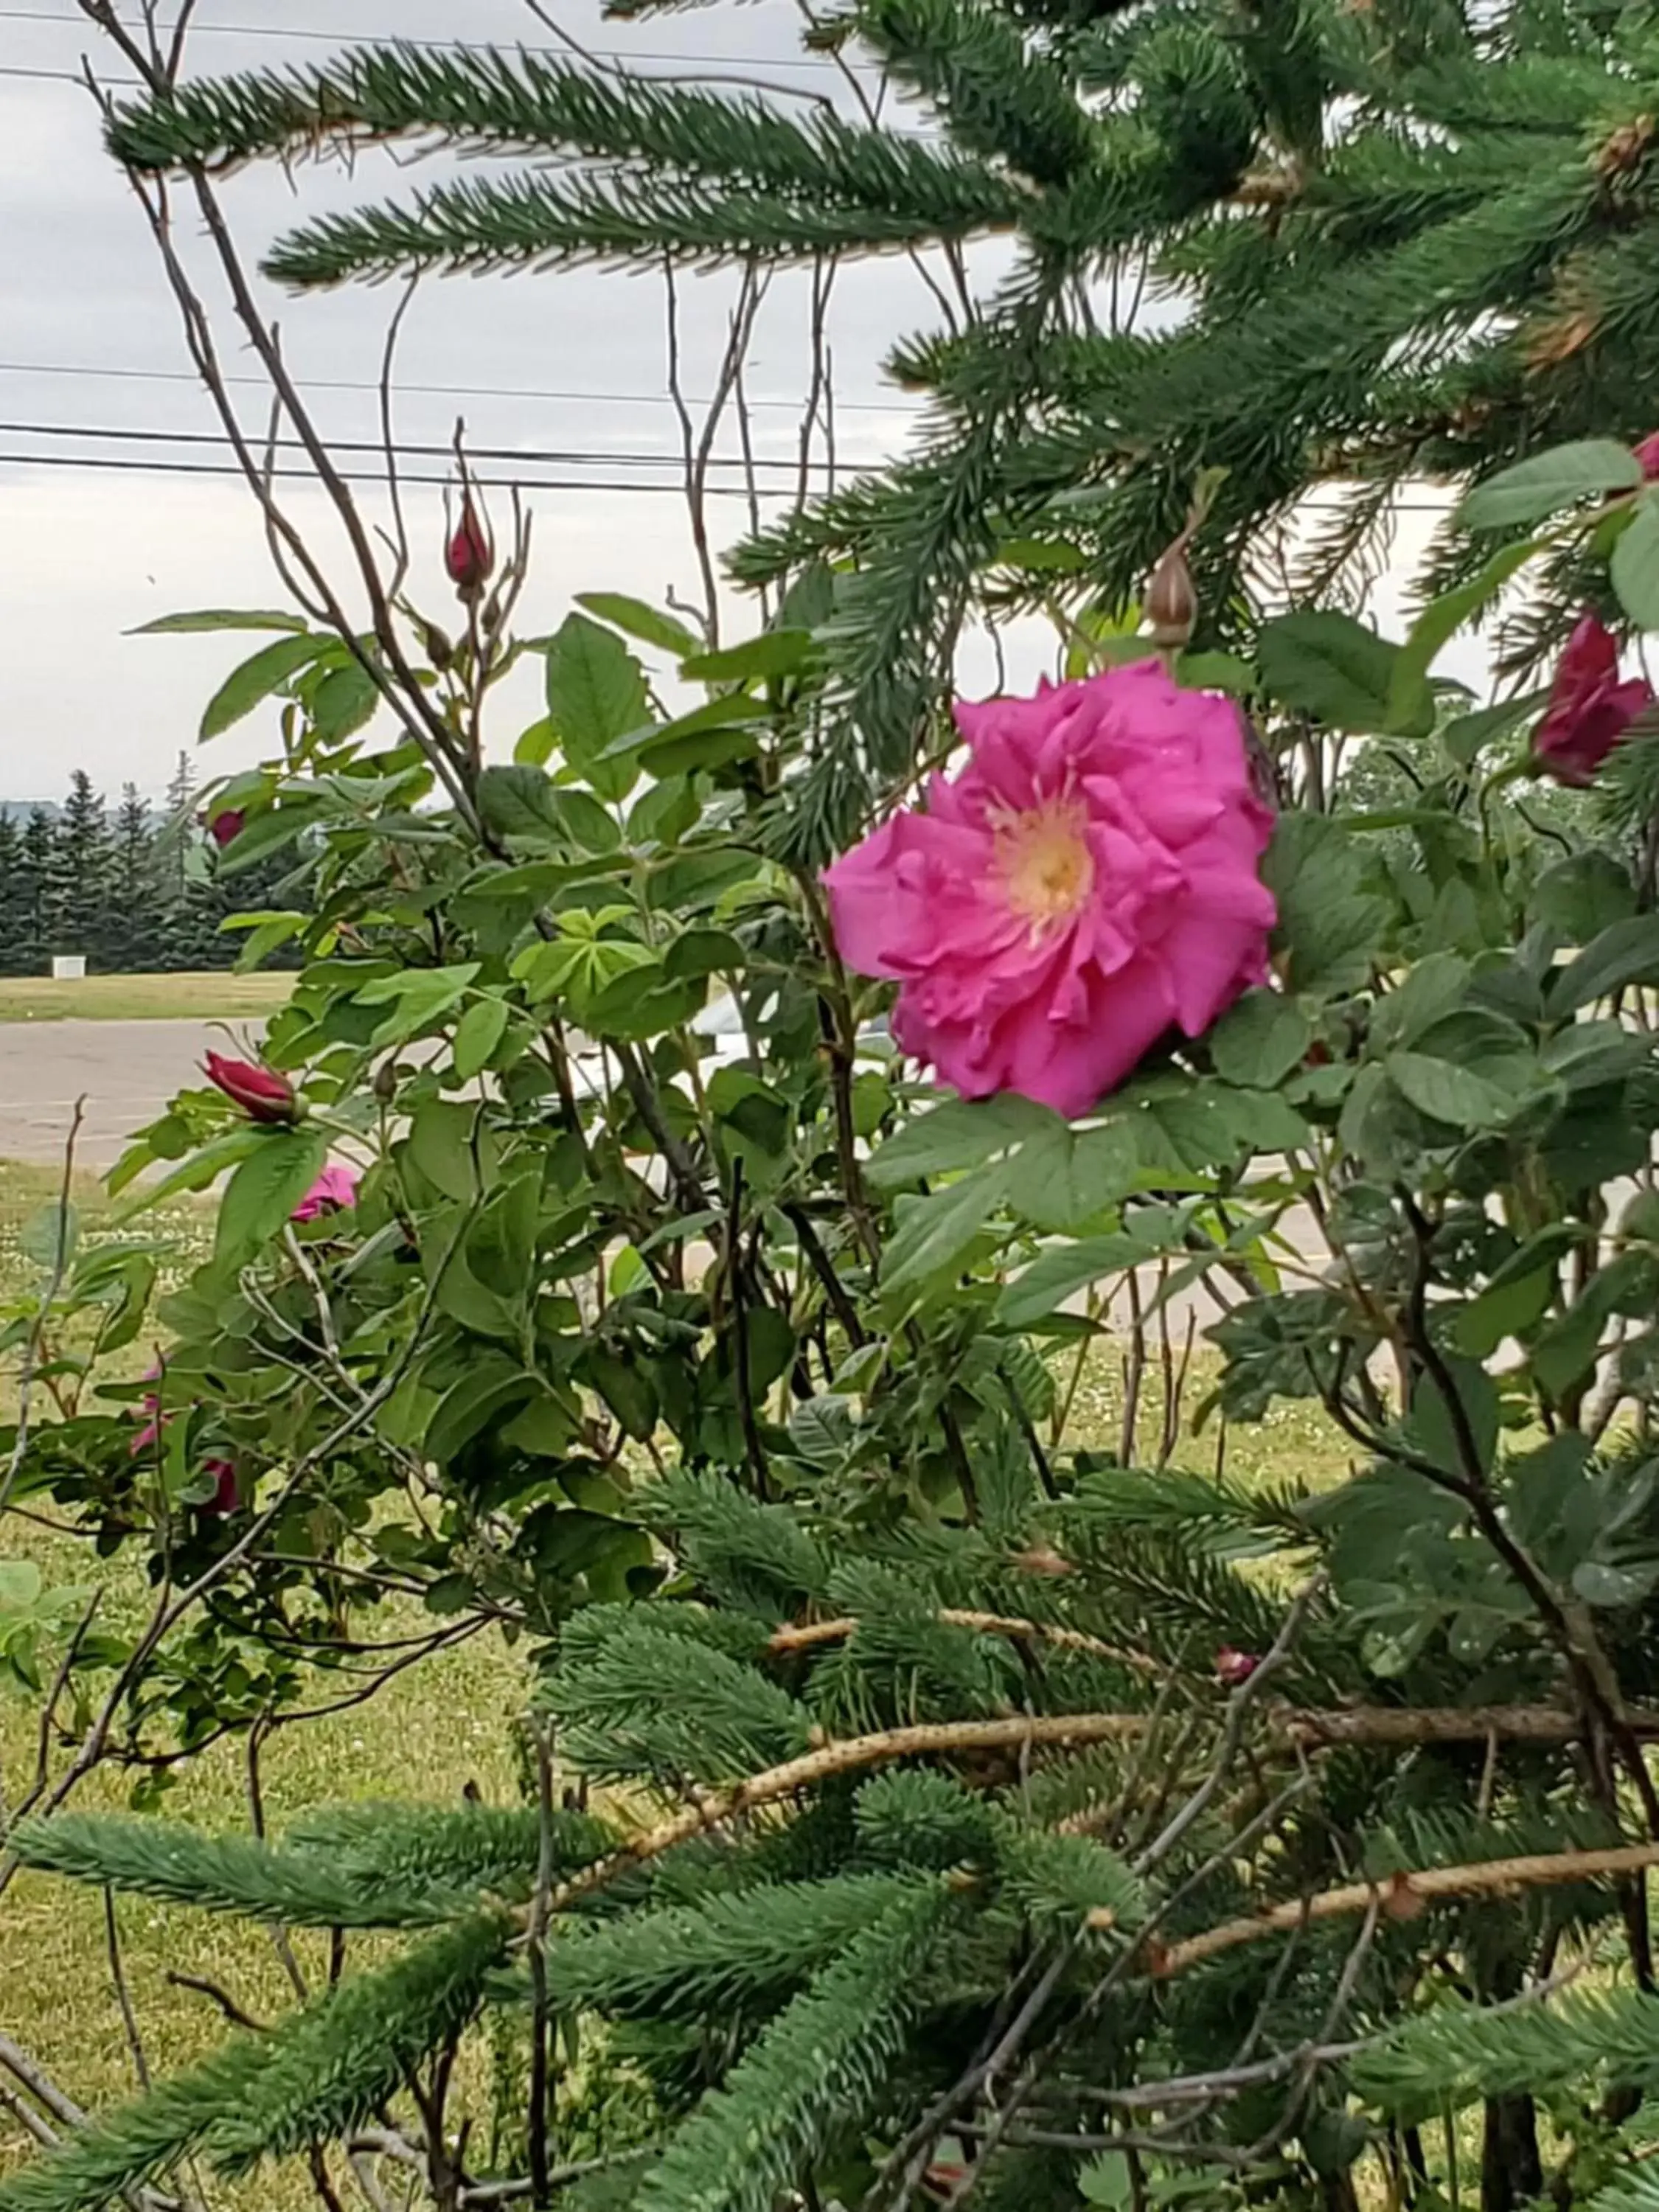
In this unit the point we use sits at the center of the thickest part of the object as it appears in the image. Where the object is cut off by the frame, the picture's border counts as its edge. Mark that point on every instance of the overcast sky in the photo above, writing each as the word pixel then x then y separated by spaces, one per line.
pixel 572 364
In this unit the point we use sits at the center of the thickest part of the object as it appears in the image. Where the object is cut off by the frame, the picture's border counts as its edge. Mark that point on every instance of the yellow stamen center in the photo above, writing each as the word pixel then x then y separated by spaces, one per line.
pixel 1047 867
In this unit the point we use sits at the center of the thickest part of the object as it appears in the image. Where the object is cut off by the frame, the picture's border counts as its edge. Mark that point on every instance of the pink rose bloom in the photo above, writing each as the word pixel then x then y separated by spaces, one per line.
pixel 1234 1667
pixel 1589 709
pixel 1090 877
pixel 335 1187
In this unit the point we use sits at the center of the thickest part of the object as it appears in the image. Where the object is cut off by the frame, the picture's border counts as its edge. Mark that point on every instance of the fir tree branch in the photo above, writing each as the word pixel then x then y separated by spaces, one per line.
pixel 1404 1896
pixel 806 1635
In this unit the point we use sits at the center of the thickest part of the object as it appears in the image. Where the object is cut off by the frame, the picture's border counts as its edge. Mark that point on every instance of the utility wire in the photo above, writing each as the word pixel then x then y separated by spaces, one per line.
pixel 569 457
pixel 342 39
pixel 675 488
pixel 898 405
pixel 124 464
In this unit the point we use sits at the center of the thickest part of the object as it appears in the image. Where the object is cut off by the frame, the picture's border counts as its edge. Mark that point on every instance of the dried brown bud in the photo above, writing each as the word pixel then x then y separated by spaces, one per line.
pixel 1171 609
pixel 386 1081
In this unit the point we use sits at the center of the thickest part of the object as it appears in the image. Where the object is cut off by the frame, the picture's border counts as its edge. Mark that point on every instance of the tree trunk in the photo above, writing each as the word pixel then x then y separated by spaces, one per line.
pixel 1511 2171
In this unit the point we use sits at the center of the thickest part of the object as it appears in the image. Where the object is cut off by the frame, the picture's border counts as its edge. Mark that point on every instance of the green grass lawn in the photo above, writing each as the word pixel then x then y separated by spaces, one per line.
pixel 434 1730
pixel 206 997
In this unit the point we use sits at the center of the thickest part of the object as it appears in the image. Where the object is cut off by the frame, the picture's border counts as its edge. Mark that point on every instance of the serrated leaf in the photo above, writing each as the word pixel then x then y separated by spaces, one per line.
pixel 1053 1276
pixel 1259 1040
pixel 1442 619
pixel 1448 1093
pixel 1626 954
pixel 1544 482
pixel 265 1189
pixel 773 652
pixel 596 693
pixel 478 1032
pixel 958 1134
pixel 256 679
pixel 1340 671
pixel 211 618
pixel 932 1233
pixel 648 623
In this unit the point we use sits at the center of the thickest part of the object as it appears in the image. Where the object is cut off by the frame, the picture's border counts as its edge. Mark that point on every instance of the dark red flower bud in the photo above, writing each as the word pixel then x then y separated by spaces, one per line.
pixel 1648 453
pixel 226 825
pixel 1232 1667
pixel 226 1497
pixel 261 1092
pixel 470 555
pixel 1589 709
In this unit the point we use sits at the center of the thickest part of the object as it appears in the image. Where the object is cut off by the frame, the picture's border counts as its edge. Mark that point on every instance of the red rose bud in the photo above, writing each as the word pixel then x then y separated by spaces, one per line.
pixel 1589 709
pixel 470 555
pixel 262 1094
pixel 226 1497
pixel 226 825
pixel 1648 453
pixel 1232 1667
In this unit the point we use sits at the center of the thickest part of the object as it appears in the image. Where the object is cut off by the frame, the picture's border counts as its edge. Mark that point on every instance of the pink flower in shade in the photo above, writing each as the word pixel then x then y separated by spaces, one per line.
pixel 1234 1667
pixel 1090 878
pixel 226 1497
pixel 1648 453
pixel 1589 709
pixel 335 1189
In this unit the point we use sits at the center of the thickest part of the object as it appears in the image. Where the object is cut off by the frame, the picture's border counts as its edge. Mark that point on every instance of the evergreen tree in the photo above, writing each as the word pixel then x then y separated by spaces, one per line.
pixel 82 876
pixel 187 920
pixel 13 903
pixel 1417 237
pixel 37 904
pixel 135 890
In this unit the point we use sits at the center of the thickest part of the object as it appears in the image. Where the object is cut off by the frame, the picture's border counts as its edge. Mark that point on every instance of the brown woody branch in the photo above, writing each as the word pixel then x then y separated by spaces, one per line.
pixel 1404 1896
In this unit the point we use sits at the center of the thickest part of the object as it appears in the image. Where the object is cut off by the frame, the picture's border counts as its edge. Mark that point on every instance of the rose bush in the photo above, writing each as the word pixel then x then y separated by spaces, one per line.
pixel 1053 1814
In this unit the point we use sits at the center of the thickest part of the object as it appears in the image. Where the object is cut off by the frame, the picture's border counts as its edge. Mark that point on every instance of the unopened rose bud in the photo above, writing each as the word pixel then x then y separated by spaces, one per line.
pixel 261 1092
pixel 226 1497
pixel 470 555
pixel 385 1085
pixel 226 825
pixel 1171 609
pixel 1233 1667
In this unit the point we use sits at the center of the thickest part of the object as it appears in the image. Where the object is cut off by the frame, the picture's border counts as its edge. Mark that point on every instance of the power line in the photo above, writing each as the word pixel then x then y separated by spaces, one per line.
pixel 123 464
pixel 898 405
pixel 676 489
pixel 623 54
pixel 570 457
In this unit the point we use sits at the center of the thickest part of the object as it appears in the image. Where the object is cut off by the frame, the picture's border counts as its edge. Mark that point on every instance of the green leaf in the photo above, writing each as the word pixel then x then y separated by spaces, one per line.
pixel 703 952
pixel 344 702
pixel 1450 1093
pixel 729 713
pixel 596 693
pixel 1582 896
pixel 1626 953
pixel 1467 737
pixel 478 1034
pixel 519 802
pixel 1056 1274
pixel 266 672
pixel 1216 672
pixel 50 1235
pixel 265 1189
pixel 773 652
pixel 1259 1040
pixel 932 1233
pixel 1635 565
pixel 1442 619
pixel 1544 482
pixel 419 997
pixel 1062 1178
pixel 684 754
pixel 648 623
pixel 217 618
pixel 1327 664
pixel 1330 926
pixel 958 1134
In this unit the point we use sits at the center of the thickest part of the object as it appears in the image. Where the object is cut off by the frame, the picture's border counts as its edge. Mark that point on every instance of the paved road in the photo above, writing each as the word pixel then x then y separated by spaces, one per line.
pixel 127 1071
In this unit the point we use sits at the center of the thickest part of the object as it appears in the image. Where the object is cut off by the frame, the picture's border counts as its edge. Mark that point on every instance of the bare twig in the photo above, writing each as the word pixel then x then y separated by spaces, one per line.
pixel 36 1339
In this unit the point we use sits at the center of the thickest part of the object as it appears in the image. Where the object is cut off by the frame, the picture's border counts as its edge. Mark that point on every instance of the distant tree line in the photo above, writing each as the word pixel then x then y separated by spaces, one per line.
pixel 134 887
